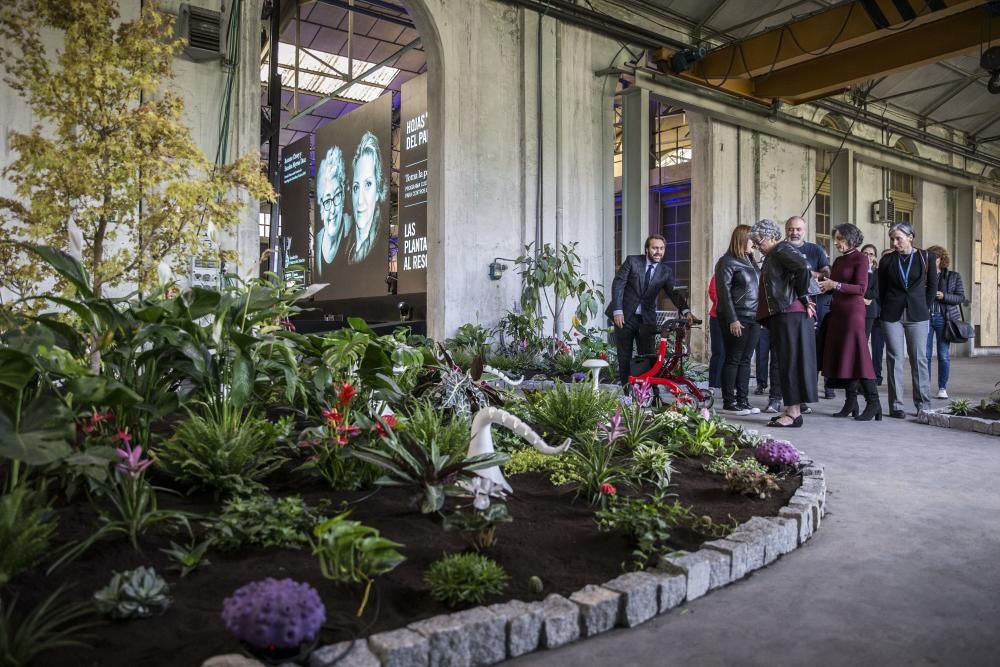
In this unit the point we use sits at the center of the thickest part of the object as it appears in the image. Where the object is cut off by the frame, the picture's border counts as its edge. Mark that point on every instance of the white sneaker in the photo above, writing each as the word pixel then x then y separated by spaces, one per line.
pixel 942 393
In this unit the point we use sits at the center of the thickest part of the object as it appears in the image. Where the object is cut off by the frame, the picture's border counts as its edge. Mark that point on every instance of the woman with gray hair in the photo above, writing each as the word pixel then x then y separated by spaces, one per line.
pixel 787 312
pixel 907 285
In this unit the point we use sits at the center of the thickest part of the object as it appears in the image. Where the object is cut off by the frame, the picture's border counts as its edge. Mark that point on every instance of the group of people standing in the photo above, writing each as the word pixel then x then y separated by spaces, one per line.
pixel 810 316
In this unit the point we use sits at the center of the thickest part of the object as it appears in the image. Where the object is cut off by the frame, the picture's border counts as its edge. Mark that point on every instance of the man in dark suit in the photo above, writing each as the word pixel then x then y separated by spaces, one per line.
pixel 633 301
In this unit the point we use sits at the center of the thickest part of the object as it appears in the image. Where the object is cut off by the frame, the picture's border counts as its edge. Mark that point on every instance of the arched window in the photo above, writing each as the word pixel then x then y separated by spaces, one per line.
pixel 836 122
pixel 906 145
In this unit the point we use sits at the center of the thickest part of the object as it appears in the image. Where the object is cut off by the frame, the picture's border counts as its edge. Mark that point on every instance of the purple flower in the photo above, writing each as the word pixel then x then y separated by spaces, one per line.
pixel 579 377
pixel 615 429
pixel 625 400
pixel 132 463
pixel 272 614
pixel 643 393
pixel 776 453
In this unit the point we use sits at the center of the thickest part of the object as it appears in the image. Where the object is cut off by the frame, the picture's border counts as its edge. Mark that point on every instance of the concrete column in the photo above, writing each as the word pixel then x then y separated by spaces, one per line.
pixel 842 189
pixel 717 176
pixel 963 253
pixel 635 170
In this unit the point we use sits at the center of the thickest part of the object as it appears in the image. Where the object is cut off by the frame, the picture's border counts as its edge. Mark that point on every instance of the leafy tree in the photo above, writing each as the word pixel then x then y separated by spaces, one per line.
pixel 109 154
pixel 557 270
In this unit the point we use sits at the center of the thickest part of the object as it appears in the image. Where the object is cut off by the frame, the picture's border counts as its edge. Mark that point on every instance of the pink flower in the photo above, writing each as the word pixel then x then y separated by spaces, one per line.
pixel 615 429
pixel 122 435
pixel 608 489
pixel 332 416
pixel 705 413
pixel 132 463
pixel 390 423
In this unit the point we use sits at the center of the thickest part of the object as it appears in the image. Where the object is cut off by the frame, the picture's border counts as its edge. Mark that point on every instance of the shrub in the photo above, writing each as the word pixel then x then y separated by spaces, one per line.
pixel 567 363
pixel 641 427
pixel 350 552
pixel 653 463
pixel 47 626
pixel 479 526
pixel 747 476
pixel 274 614
pixel 570 411
pixel 597 469
pixel 263 521
pixel 776 453
pixel 643 523
pixel 528 459
pixel 26 527
pixel 513 363
pixel 137 593
pixel 224 450
pixel 450 430
pixel 461 579
pixel 960 406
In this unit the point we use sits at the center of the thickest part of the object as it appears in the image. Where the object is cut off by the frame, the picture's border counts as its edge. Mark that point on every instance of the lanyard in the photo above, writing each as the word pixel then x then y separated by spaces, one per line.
pixel 906 275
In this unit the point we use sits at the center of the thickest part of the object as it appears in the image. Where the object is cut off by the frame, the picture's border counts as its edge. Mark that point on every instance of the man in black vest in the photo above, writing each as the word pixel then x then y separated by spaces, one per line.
pixel 633 301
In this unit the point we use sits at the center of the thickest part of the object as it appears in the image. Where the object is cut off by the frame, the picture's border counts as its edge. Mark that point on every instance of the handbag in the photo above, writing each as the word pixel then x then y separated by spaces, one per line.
pixel 958 331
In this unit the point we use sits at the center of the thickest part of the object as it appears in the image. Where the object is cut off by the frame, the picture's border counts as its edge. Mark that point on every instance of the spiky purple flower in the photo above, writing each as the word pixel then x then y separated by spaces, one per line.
pixel 643 393
pixel 614 429
pixel 132 464
pixel 274 613
pixel 776 453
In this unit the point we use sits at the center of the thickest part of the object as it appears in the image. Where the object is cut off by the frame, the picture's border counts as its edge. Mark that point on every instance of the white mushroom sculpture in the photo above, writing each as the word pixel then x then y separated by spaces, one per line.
pixel 482 440
pixel 595 366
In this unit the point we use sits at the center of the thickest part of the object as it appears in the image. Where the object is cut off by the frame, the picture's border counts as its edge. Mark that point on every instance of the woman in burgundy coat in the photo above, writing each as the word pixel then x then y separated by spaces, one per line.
pixel 847 361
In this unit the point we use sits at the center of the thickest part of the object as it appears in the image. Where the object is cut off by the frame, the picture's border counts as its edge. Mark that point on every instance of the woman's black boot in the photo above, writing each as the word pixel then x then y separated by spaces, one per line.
pixel 851 404
pixel 873 406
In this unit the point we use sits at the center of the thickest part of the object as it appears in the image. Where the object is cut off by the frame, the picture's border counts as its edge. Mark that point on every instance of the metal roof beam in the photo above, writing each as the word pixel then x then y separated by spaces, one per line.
pixel 828 30
pixel 985 125
pixel 898 51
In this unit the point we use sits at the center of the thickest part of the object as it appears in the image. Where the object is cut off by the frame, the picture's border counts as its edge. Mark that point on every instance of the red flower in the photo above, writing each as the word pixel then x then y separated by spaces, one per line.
pixel 389 421
pixel 608 489
pixel 287 324
pixel 346 393
pixel 123 436
pixel 350 430
pixel 332 416
pixel 603 355
pixel 103 416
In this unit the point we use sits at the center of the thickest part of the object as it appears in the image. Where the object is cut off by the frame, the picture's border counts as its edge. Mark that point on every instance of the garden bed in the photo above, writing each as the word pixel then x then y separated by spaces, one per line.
pixel 552 537
pixel 978 421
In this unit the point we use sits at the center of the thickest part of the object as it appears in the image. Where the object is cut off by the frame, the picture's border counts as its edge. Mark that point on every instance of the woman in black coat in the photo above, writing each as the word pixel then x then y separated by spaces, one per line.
pixel 736 284
pixel 950 293
pixel 784 307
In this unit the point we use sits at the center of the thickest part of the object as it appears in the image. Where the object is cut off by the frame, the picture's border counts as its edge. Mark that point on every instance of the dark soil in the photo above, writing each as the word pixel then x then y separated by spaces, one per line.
pixel 552 536
pixel 989 413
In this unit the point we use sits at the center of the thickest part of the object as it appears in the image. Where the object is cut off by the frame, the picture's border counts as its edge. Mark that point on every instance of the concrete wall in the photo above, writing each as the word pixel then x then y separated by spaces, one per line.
pixel 484 161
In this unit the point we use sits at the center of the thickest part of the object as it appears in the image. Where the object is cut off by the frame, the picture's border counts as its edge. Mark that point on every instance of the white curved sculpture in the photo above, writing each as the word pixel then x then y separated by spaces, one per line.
pixel 482 440
pixel 500 374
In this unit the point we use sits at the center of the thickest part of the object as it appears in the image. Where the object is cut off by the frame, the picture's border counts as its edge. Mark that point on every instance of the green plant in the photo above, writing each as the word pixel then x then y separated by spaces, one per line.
pixel 567 363
pixel 47 626
pixel 410 462
pixel 188 558
pixel 111 162
pixel 960 406
pixel 224 449
pixel 350 552
pixel 745 476
pixel 471 339
pixel 641 427
pixel 461 579
pixel 518 334
pixel 528 459
pixel 570 410
pixel 597 469
pixel 700 439
pixel 642 521
pixel 653 463
pixel 26 528
pixel 263 521
pixel 427 424
pixel 514 363
pixel 478 526
pixel 137 593
pixel 548 269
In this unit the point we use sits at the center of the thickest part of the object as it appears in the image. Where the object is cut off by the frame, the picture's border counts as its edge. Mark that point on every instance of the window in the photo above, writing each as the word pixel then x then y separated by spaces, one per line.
pixel 823 219
pixel 675 226
pixel 901 193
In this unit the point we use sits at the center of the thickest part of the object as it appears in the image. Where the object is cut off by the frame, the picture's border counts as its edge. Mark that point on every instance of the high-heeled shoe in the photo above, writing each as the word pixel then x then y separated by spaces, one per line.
pixel 873 410
pixel 796 423
pixel 851 404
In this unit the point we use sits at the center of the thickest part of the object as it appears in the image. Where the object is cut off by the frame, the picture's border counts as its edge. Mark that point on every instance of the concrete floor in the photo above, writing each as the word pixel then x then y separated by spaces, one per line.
pixel 905 569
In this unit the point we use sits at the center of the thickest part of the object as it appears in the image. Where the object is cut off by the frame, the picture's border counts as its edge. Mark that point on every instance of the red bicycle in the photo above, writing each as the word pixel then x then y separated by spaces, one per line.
pixel 666 374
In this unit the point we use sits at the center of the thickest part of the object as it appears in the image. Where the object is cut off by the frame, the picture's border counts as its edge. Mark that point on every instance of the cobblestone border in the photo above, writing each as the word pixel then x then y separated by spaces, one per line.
pixel 488 635
pixel 941 418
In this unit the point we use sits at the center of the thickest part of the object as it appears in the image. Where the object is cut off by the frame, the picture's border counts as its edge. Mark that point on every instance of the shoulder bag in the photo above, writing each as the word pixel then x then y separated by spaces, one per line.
pixel 958 331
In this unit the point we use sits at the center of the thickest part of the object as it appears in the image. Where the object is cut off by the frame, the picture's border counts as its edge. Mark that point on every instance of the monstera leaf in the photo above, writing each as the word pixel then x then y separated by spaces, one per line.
pixel 41 436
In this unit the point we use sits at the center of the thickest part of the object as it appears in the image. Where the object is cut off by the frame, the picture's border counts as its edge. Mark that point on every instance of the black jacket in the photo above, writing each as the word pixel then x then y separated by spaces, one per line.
pixel 916 296
pixel 786 278
pixel 627 292
pixel 737 282
pixel 872 309
pixel 950 283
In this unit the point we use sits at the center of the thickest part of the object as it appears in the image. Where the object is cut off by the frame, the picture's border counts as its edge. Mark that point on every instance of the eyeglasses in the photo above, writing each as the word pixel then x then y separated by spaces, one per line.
pixel 327 203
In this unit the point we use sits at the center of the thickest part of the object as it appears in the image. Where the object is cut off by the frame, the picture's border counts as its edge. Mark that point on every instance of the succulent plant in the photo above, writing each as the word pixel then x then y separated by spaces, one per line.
pixel 776 453
pixel 134 593
pixel 274 613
